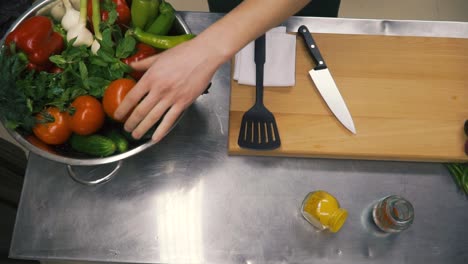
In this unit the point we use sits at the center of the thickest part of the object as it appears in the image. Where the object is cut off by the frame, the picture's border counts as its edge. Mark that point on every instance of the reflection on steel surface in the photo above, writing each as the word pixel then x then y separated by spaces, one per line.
pixel 178 231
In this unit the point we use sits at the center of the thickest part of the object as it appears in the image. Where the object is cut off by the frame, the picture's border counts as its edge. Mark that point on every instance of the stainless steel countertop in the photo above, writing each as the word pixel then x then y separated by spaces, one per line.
pixel 186 201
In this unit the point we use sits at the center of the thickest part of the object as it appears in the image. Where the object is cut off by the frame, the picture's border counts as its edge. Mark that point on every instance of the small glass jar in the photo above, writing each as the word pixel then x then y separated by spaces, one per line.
pixel 393 214
pixel 323 211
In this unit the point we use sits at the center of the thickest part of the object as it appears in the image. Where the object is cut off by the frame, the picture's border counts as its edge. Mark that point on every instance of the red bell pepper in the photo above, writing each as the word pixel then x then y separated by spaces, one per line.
pixel 36 38
pixel 143 51
pixel 123 12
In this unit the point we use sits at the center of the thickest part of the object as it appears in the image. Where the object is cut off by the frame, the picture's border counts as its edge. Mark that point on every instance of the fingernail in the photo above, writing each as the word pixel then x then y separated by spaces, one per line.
pixel 155 139
pixel 136 135
pixel 127 128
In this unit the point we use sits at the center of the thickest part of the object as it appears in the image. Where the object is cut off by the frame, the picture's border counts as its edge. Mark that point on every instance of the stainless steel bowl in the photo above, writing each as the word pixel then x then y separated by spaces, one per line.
pixel 69 157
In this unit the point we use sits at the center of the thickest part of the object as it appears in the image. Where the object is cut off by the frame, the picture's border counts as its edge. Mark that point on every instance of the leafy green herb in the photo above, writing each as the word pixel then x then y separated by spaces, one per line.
pixel 107 44
pixel 125 47
pixel 83 71
pixel 24 93
pixel 109 24
pixel 59 29
pixel 110 6
pixel 112 16
pixel 459 172
pixel 15 108
pixel 46 117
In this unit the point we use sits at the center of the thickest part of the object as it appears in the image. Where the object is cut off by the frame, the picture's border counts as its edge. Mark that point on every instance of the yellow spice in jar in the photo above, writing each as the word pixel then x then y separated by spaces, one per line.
pixel 323 211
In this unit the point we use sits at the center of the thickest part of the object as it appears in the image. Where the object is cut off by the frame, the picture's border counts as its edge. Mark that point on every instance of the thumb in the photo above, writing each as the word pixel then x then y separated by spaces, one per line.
pixel 144 64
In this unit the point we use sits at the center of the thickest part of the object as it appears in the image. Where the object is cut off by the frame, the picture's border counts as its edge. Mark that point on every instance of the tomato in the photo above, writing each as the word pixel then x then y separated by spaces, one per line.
pixel 38 143
pixel 56 132
pixel 88 116
pixel 114 95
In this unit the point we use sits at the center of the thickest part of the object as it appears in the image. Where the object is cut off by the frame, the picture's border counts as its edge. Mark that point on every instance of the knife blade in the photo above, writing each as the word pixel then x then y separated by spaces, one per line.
pixel 325 84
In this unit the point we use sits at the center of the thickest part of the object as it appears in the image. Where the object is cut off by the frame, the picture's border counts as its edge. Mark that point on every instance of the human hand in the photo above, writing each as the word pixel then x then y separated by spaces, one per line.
pixel 176 77
pixel 173 80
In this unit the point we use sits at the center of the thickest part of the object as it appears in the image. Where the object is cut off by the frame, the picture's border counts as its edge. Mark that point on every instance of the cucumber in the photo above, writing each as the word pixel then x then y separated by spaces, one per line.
pixel 95 145
pixel 120 141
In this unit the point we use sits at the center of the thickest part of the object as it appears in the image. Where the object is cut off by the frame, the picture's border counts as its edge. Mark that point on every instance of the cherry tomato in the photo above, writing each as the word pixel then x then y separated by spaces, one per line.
pixel 88 115
pixel 38 143
pixel 53 133
pixel 114 95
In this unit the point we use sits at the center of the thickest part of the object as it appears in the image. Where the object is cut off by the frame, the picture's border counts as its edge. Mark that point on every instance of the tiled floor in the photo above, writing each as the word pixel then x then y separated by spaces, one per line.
pixel 448 10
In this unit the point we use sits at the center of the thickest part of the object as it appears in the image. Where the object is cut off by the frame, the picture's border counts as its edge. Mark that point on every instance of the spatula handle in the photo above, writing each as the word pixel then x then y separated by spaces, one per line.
pixel 259 59
pixel 260 50
pixel 312 48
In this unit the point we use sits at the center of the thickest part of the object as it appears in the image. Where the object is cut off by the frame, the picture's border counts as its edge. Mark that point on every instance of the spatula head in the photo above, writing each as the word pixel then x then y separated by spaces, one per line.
pixel 259 130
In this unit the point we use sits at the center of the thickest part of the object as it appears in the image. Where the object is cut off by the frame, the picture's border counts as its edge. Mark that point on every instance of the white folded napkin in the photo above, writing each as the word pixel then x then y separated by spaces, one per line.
pixel 280 61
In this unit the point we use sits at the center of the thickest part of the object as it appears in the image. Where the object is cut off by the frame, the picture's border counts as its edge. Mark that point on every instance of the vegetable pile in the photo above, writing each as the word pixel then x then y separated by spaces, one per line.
pixel 64 71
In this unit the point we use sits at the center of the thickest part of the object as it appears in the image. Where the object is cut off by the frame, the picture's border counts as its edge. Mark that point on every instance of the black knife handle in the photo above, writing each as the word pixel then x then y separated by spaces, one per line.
pixel 259 59
pixel 312 48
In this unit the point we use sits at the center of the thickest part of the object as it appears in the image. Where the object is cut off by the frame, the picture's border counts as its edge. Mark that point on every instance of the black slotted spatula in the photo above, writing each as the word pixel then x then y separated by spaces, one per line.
pixel 258 128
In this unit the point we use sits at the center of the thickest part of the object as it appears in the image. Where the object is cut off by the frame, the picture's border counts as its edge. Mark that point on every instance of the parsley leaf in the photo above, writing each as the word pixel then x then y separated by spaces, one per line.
pixel 83 71
pixel 125 47
pixel 15 108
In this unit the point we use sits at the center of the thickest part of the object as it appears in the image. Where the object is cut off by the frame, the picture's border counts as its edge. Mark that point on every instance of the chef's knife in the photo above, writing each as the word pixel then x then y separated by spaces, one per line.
pixel 325 83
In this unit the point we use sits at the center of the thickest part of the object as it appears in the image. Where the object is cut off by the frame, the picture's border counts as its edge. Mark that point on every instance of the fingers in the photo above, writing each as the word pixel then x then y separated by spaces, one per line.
pixel 170 84
pixel 167 122
pixel 132 98
pixel 144 64
pixel 150 119
pixel 138 92
pixel 142 110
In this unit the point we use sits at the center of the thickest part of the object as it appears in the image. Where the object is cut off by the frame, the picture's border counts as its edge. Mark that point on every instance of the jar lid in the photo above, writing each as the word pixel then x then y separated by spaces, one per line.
pixel 337 220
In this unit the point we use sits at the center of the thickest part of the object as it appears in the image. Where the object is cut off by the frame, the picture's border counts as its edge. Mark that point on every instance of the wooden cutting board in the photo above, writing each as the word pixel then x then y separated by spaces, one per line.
pixel 408 97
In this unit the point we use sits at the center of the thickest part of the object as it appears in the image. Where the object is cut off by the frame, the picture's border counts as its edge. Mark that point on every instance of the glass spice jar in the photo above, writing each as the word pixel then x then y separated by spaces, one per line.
pixel 393 214
pixel 322 210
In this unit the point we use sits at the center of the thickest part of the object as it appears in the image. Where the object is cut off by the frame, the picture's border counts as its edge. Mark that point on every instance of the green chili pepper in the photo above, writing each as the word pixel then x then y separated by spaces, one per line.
pixel 164 21
pixel 157 41
pixel 144 12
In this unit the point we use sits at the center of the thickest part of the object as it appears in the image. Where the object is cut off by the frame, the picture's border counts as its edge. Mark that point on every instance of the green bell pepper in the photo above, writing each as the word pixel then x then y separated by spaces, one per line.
pixel 144 12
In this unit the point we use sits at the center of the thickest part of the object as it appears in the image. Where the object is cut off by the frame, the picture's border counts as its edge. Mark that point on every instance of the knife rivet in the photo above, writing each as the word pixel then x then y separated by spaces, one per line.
pixel 320 62
pixel 312 46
